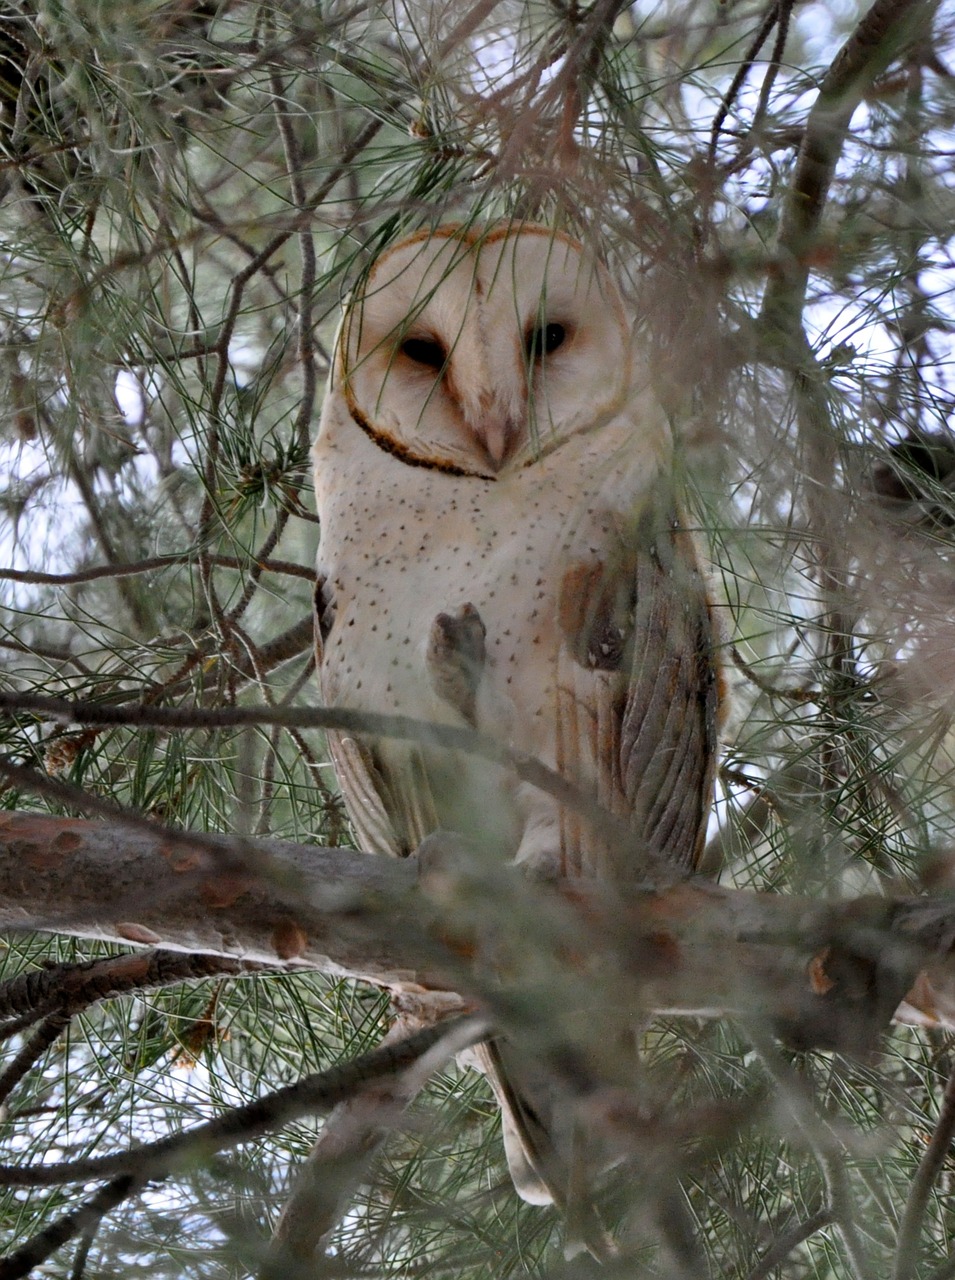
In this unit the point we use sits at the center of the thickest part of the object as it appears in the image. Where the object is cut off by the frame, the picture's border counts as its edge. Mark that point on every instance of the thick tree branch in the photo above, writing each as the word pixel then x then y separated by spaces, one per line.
pixel 71 876
pixel 821 973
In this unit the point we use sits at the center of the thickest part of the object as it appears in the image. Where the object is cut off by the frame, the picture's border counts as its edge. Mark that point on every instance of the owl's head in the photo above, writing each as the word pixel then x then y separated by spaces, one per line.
pixel 473 353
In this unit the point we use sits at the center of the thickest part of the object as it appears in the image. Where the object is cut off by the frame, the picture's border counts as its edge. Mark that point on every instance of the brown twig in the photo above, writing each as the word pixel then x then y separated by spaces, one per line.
pixel 907 1250
pixel 525 767
pixel 71 987
pixel 770 18
pixel 783 18
pixel 875 42
pixel 48 1032
pixel 83 1219
pixel 796 694
pixel 35 578
pixel 464 28
pixel 783 1246
pixel 314 1093
pixel 325 1184
pixel 80 477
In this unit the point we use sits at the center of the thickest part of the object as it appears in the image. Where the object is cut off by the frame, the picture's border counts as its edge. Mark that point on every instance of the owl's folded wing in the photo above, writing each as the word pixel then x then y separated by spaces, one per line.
pixel 390 816
pixel 638 698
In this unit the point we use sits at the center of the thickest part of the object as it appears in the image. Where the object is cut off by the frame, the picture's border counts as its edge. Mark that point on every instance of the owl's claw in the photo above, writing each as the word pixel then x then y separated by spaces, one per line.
pixel 443 854
pixel 456 658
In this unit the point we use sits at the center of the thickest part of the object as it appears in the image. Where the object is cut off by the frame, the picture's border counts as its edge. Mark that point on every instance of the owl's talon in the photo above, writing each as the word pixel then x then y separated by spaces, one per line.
pixel 544 870
pixel 442 858
pixel 456 657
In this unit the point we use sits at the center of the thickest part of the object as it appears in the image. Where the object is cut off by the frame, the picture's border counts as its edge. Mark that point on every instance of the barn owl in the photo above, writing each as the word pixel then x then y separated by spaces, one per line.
pixel 500 548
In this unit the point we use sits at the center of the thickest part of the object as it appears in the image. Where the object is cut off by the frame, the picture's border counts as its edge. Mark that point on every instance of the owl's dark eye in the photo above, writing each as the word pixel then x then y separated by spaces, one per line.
pixel 543 340
pixel 424 351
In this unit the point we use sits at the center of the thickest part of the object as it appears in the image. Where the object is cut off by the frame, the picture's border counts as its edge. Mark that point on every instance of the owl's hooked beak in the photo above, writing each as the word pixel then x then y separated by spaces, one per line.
pixel 493 418
pixel 498 435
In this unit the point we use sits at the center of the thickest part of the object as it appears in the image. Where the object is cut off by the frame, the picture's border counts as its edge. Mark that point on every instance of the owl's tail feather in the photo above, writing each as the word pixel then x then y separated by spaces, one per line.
pixel 527 1140
pixel 538 1130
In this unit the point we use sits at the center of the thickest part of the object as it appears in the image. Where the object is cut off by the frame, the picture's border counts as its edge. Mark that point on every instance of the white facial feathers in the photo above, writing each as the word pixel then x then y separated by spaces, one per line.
pixel 473 353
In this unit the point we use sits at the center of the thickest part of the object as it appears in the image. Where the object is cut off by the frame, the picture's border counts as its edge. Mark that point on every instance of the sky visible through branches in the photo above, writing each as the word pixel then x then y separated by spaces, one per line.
pixel 187 191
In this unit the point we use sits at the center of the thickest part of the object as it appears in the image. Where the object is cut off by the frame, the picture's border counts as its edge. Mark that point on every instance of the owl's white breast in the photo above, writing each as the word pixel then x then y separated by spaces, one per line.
pixel 402 543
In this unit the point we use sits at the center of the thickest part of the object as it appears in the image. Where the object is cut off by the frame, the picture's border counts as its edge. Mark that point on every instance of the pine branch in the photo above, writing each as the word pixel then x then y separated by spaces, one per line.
pixel 876 41
pixel 81 1220
pixel 907 1251
pixel 315 1093
pixel 823 973
pixel 36 578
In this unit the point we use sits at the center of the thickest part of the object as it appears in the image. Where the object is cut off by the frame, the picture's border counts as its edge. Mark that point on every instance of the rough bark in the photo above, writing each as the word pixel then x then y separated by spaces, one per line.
pixel 822 973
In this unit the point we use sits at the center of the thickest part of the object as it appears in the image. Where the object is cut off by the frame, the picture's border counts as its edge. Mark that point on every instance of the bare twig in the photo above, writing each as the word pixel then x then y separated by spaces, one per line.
pixel 70 987
pixel 844 1213
pixel 45 1035
pixel 465 27
pixel 875 42
pixel 83 1219
pixel 907 1250
pixel 313 1093
pixel 825 1145
pixel 784 17
pixel 783 1246
pixel 770 18
pixel 945 1272
pixel 83 482
pixel 347 1143
pixel 524 766
pixel 795 694
pixel 34 578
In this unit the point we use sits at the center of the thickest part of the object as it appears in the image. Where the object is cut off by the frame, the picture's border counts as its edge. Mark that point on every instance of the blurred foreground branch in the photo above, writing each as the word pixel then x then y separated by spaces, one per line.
pixel 825 974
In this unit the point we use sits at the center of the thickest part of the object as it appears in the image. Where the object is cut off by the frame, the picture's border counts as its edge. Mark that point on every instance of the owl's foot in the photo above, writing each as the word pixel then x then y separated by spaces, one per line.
pixel 538 854
pixel 443 855
pixel 541 865
pixel 456 658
